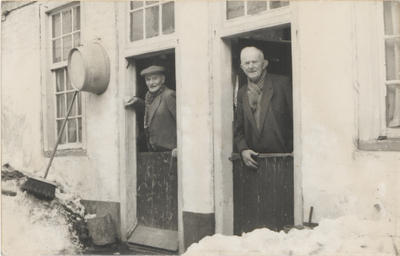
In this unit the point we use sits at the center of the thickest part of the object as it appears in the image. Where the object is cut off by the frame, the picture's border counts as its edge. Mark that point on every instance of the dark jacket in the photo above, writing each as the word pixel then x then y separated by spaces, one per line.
pixel 276 119
pixel 161 116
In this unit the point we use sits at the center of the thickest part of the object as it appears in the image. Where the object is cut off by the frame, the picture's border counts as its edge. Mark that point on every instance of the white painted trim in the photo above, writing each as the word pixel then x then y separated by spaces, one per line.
pixel 120 24
pixel 44 73
pixel 263 20
pixel 56 6
pixel 179 86
pixel 297 110
pixel 287 16
pixel 151 46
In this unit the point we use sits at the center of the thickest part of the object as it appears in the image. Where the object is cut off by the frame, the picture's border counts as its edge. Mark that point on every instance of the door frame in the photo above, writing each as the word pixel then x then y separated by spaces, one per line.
pixel 223 87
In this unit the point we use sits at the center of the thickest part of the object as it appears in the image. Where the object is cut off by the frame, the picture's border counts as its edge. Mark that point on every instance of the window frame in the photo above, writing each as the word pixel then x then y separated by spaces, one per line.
pixel 48 87
pixel 370 80
pixel 390 133
pixel 145 46
pixel 246 15
pixel 160 4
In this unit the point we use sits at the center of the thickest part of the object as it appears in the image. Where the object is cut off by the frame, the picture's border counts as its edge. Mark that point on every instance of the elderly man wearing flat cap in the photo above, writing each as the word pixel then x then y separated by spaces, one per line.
pixel 160 111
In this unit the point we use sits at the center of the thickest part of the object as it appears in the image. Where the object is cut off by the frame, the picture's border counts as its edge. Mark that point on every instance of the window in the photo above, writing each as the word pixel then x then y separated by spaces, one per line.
pixel 64 26
pixel 235 9
pixel 377 79
pixel 151 19
pixel 392 66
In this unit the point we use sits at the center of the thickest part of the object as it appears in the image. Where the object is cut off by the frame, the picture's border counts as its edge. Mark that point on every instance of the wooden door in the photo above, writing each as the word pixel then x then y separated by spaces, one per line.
pixel 263 198
pixel 157 201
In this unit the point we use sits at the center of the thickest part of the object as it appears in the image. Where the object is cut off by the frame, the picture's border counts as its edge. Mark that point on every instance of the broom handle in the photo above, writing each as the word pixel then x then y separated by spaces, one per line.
pixel 60 134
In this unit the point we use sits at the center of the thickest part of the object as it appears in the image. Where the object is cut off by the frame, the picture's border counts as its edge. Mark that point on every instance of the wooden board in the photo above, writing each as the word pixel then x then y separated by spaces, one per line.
pixel 154 237
pixel 263 197
pixel 157 190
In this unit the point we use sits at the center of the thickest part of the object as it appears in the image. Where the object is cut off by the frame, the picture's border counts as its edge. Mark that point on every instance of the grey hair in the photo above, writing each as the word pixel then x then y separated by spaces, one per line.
pixel 249 48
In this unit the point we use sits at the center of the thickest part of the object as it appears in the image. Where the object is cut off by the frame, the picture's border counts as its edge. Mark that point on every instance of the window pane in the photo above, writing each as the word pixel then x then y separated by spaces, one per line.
pixel 136 4
pixel 77 18
pixel 168 22
pixel 69 86
pixel 391 16
pixel 60 98
pixel 72 131
pixel 152 18
pixel 393 106
pixel 67 46
pixel 151 2
pixel 56 25
pixel 234 9
pixel 392 58
pixel 79 129
pixel 60 85
pixel 67 22
pixel 69 100
pixel 77 39
pixel 57 50
pixel 277 4
pixel 137 25
pixel 254 7
pixel 63 137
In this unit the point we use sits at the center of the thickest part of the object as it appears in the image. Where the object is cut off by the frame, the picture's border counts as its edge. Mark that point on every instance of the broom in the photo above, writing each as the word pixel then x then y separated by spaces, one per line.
pixel 42 188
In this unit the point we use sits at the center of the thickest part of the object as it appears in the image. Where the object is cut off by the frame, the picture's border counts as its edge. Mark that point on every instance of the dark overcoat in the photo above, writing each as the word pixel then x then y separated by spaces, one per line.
pixel 161 116
pixel 275 134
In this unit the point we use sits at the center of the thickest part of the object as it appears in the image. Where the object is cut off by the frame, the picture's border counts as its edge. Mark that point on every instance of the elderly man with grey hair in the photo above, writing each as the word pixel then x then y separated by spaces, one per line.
pixel 264 122
pixel 160 111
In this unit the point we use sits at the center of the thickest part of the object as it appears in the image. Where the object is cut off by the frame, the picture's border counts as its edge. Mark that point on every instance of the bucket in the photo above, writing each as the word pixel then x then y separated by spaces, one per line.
pixel 89 68
pixel 102 230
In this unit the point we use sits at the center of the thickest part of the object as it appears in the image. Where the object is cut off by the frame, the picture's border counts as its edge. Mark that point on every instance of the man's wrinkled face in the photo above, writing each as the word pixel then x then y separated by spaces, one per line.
pixel 252 63
pixel 154 82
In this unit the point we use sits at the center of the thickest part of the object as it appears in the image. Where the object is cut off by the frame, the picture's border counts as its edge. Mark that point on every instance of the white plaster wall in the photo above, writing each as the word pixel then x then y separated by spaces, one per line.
pixel 21 90
pixel 96 175
pixel 337 179
pixel 195 96
pixel 99 170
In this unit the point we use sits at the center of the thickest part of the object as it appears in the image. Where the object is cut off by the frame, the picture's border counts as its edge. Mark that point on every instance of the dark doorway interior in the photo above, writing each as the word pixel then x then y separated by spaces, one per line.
pixel 166 60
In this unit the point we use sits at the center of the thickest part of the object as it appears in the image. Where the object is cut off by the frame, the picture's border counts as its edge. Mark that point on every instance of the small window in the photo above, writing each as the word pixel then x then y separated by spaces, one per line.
pixel 235 9
pixel 151 19
pixel 392 63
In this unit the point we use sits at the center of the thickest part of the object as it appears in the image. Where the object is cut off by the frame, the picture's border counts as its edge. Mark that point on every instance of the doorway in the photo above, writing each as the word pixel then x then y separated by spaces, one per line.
pixel 263 198
pixel 156 173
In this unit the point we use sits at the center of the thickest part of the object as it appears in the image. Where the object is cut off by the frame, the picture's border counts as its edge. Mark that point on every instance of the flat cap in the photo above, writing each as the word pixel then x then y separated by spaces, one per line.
pixel 152 70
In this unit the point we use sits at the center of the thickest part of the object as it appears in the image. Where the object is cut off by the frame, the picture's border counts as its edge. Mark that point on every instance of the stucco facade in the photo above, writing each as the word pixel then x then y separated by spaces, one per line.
pixel 334 67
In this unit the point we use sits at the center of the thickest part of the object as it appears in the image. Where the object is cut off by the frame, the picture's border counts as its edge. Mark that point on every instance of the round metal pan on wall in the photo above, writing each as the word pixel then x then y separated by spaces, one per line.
pixel 89 68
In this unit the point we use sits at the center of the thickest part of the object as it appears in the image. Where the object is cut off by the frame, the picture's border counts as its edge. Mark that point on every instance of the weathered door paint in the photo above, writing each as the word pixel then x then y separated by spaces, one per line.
pixel 263 198
pixel 157 201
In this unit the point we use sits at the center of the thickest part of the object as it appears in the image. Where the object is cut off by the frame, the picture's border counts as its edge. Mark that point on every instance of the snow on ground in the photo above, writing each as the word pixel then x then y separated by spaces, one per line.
pixel 34 227
pixel 344 236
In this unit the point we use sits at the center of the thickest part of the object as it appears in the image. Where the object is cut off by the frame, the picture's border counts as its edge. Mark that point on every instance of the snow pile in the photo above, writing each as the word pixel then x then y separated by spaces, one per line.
pixel 34 227
pixel 345 235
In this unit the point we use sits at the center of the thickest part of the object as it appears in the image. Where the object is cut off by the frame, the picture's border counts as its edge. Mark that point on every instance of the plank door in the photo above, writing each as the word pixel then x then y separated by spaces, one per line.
pixel 157 201
pixel 263 198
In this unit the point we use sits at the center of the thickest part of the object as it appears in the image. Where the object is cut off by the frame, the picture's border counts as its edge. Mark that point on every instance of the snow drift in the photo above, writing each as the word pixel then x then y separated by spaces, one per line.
pixel 344 236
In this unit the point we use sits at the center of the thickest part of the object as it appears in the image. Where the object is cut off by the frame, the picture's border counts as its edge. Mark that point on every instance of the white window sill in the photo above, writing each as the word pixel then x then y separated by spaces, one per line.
pixel 380 145
pixel 66 152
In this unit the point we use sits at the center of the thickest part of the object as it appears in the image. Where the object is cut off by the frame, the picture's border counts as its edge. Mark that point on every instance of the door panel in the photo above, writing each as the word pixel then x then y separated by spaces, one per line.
pixel 263 198
pixel 157 201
